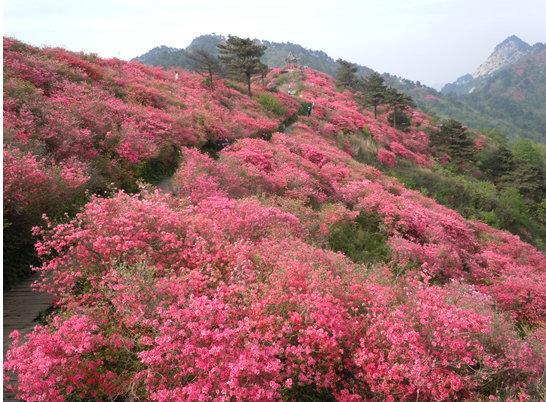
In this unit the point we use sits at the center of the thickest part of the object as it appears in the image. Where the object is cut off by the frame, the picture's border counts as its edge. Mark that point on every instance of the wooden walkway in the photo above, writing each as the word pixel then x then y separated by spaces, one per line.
pixel 21 307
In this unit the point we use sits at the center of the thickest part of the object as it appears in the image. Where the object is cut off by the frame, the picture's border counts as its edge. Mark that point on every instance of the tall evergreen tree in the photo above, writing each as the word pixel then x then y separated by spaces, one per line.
pixel 374 89
pixel 205 62
pixel 453 139
pixel 346 74
pixel 241 58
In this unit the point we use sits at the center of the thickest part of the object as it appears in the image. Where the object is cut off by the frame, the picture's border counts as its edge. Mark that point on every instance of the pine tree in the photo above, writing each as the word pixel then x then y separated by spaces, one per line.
pixel 346 74
pixel 399 120
pixel 241 58
pixel 453 139
pixel 205 63
pixel 374 89
pixel 399 102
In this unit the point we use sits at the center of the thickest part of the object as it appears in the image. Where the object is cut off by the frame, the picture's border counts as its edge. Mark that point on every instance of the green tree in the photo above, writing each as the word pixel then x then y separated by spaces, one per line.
pixel 514 214
pixel 398 119
pixel 497 163
pixel 529 172
pixel 346 74
pixel 454 140
pixel 374 90
pixel 399 102
pixel 241 58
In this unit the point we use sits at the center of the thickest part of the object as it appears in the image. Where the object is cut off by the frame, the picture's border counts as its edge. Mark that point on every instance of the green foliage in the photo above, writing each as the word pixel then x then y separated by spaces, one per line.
pixel 496 163
pixel 162 166
pixel 234 85
pixel 502 207
pixel 529 175
pixel 282 79
pixel 397 118
pixel 167 57
pixel 454 140
pixel 540 213
pixel 512 211
pixel 399 102
pixel 305 109
pixel 263 70
pixel 271 104
pixel 286 123
pixel 496 135
pixel 207 82
pixel 362 240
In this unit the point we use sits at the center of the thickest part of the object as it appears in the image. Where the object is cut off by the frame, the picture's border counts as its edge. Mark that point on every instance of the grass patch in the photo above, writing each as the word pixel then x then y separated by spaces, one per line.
pixel 271 104
pixel 361 240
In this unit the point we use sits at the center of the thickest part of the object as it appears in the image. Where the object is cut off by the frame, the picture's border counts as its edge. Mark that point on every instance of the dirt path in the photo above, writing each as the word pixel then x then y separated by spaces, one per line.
pixel 21 307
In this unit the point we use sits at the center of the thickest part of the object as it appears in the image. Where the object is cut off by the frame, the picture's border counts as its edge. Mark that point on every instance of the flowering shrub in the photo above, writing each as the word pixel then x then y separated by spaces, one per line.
pixel 82 107
pixel 25 179
pixel 34 185
pixel 386 157
pixel 177 300
pixel 480 142
pixel 279 269
pixel 412 349
pixel 74 122
pixel 335 112
pixel 64 363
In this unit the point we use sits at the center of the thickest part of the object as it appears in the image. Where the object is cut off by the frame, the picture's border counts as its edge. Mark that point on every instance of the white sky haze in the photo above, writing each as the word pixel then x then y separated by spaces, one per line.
pixel 428 40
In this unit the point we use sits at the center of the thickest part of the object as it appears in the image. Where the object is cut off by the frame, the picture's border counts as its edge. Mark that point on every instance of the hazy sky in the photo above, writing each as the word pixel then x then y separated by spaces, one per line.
pixel 428 40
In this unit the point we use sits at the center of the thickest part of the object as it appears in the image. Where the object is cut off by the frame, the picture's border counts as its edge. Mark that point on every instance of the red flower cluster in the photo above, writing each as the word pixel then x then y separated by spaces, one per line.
pixel 387 158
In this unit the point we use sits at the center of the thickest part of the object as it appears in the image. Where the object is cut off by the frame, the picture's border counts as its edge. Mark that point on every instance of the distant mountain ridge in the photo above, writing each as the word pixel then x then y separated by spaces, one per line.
pixel 508 52
pixel 274 55
pixel 507 91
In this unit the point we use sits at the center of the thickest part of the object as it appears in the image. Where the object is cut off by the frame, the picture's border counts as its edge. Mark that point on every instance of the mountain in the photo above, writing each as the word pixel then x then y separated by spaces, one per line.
pixel 506 53
pixel 507 92
pixel 166 56
pixel 274 55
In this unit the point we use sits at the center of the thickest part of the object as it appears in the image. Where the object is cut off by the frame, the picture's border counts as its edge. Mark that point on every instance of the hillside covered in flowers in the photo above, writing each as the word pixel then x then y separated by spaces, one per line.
pixel 202 244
